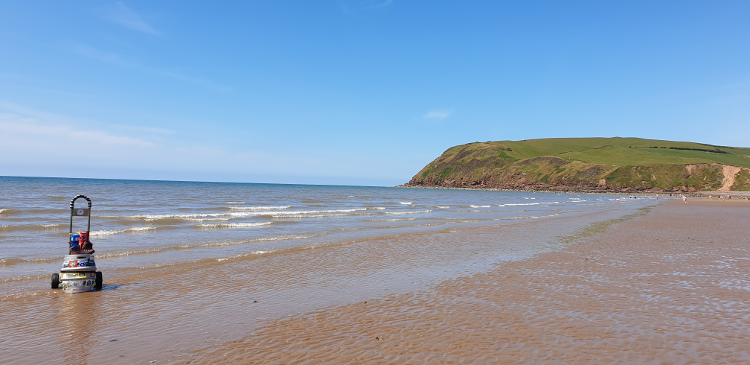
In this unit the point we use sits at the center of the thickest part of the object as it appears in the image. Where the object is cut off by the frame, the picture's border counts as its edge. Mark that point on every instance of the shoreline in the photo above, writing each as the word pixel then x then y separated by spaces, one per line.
pixel 672 286
pixel 168 310
pixel 531 291
pixel 693 194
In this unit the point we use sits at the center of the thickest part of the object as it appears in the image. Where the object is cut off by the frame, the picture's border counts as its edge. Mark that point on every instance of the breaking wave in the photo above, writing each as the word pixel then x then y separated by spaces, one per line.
pixel 409 212
pixel 295 213
pixel 233 225
pixel 261 207
pixel 117 231
pixel 390 220
pixel 30 227
pixel 242 212
pixel 155 217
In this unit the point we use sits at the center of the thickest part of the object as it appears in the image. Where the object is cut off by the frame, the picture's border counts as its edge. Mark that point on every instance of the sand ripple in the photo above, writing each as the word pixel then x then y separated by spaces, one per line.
pixel 670 288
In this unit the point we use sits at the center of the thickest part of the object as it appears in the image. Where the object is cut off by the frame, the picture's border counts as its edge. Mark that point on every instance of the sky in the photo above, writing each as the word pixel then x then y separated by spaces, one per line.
pixel 353 92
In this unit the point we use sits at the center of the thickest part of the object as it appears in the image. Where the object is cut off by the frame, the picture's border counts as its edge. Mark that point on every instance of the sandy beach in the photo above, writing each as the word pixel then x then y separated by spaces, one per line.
pixel 670 287
pixel 666 284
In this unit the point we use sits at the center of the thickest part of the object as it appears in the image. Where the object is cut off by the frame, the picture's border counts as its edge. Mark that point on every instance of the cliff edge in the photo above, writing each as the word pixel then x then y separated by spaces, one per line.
pixel 590 164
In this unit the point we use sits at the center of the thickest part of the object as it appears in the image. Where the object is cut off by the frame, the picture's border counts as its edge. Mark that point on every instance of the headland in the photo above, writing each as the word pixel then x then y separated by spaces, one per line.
pixel 608 165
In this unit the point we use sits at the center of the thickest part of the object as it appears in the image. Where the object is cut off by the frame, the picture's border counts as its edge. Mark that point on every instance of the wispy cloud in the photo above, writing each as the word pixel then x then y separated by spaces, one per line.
pixel 378 4
pixel 128 18
pixel 112 58
pixel 139 129
pixel 196 81
pixel 363 5
pixel 23 124
pixel 438 114
pixel 39 143
pixel 98 55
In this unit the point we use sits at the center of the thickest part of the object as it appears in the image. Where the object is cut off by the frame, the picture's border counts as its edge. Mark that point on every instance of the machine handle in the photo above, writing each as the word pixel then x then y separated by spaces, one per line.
pixel 73 201
pixel 72 214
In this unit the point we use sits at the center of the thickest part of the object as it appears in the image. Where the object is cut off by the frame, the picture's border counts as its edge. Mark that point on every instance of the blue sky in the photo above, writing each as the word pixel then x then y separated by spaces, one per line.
pixel 361 92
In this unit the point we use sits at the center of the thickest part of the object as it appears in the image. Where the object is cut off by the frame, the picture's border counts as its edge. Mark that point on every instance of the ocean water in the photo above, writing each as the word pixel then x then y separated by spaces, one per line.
pixel 189 265
pixel 150 223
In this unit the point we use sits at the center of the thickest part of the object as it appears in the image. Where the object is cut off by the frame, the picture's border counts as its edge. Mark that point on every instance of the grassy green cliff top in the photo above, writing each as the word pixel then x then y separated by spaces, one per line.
pixel 611 164
pixel 612 151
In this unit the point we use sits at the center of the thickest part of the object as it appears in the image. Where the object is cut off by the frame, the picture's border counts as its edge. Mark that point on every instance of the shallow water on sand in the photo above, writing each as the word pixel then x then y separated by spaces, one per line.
pixel 146 223
pixel 191 264
pixel 671 288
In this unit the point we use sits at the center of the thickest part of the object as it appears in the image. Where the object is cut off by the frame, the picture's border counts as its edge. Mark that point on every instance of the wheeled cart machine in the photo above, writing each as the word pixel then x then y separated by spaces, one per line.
pixel 78 273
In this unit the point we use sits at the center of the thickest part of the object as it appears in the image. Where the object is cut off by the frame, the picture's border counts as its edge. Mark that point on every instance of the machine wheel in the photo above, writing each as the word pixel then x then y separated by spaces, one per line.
pixel 55 282
pixel 99 280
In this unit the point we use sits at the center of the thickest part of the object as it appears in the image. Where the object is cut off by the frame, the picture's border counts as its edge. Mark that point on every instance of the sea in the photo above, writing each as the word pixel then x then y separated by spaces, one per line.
pixel 191 265
pixel 139 224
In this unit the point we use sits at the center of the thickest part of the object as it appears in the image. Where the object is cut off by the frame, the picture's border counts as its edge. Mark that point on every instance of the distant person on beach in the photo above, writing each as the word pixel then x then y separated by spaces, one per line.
pixel 684 198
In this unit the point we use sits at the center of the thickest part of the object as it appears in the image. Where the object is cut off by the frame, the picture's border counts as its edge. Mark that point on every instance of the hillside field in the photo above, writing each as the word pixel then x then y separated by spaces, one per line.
pixel 619 164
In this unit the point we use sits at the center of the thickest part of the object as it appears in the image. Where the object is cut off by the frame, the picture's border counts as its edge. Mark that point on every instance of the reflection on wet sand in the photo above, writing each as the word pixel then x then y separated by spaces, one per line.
pixel 77 318
pixel 671 286
pixel 163 313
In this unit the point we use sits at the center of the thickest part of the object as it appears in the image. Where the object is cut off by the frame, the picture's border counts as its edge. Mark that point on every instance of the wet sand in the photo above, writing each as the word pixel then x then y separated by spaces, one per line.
pixel 161 314
pixel 670 287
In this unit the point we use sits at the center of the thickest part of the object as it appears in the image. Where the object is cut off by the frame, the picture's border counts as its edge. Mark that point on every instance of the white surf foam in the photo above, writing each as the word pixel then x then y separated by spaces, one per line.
pixel 206 219
pixel 117 231
pixel 261 207
pixel 390 220
pixel 291 213
pixel 153 217
pixel 242 255
pixel 243 212
pixel 409 212
pixel 234 225
pixel 309 215
pixel 405 203
pixel 479 206
pixel 322 211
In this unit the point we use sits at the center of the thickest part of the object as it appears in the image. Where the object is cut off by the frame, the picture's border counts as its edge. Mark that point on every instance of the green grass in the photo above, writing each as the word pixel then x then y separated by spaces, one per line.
pixel 621 162
pixel 622 156
pixel 742 181
pixel 704 157
pixel 666 176
pixel 444 173
pixel 615 151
